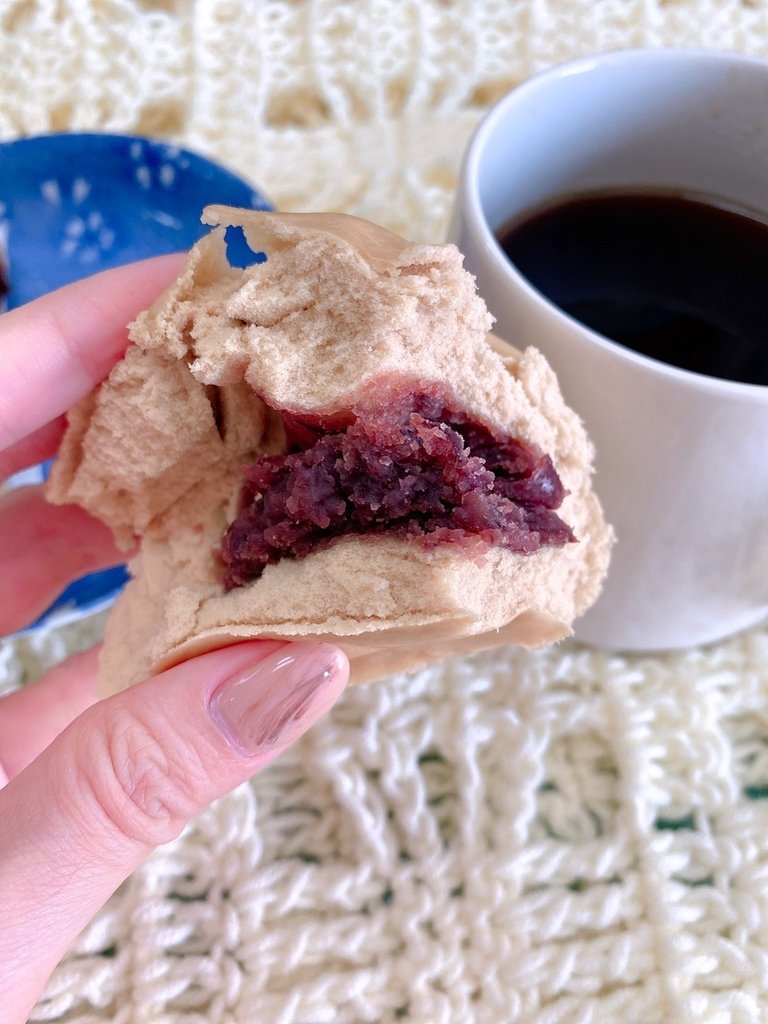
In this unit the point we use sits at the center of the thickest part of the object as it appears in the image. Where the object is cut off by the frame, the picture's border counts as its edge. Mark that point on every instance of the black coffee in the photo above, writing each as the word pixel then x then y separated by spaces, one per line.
pixel 681 279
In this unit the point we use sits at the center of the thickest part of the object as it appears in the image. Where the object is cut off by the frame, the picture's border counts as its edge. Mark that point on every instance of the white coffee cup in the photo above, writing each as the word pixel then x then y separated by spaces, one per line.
pixel 682 459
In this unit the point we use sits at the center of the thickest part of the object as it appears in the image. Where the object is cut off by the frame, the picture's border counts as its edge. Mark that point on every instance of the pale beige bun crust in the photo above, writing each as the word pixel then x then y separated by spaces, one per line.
pixel 158 451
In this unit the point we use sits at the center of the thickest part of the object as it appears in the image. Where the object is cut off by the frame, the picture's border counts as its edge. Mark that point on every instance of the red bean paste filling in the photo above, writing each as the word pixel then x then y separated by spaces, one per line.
pixel 417 469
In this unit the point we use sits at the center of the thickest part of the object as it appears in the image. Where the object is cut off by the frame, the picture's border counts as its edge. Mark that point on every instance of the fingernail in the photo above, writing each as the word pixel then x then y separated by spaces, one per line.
pixel 274 701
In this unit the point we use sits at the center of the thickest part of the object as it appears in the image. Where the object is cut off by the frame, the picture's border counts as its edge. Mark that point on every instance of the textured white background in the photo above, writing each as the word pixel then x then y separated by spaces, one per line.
pixel 512 839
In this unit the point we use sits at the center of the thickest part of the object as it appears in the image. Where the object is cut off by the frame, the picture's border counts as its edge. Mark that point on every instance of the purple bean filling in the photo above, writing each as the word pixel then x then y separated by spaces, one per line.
pixel 416 468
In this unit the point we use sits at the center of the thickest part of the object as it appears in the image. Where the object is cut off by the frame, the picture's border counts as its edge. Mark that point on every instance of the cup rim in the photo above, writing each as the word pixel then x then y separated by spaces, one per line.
pixel 471 207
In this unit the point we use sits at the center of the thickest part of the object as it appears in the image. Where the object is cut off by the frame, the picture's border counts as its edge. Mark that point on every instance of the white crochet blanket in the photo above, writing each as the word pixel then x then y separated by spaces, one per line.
pixel 511 839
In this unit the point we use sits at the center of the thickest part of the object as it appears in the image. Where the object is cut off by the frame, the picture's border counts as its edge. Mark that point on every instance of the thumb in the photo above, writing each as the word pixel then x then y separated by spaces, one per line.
pixel 127 775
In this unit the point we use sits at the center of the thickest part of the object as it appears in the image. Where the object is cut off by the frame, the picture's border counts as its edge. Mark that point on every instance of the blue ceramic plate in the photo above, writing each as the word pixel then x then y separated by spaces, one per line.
pixel 72 205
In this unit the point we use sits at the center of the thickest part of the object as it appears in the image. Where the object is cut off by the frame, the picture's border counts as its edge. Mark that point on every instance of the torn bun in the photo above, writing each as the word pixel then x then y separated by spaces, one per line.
pixel 235 438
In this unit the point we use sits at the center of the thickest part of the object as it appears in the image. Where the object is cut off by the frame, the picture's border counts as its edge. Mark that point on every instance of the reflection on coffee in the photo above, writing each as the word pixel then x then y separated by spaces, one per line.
pixel 681 278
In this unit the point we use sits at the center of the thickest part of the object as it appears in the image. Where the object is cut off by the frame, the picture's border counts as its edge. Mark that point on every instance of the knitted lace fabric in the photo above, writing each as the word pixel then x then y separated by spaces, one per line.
pixel 516 838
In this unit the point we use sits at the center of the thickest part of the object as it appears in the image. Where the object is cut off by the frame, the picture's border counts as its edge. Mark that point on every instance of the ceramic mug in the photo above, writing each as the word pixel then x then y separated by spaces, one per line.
pixel 682 458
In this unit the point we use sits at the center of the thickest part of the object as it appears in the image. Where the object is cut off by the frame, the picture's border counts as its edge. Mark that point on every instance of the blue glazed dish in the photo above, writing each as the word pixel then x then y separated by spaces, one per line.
pixel 72 205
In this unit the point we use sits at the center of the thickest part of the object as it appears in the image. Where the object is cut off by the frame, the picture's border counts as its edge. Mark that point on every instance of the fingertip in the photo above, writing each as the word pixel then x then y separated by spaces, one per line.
pixel 56 349
pixel 260 695
pixel 43 547
pixel 266 705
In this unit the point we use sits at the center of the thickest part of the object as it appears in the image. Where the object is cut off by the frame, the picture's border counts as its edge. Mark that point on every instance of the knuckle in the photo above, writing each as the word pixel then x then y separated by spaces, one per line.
pixel 143 781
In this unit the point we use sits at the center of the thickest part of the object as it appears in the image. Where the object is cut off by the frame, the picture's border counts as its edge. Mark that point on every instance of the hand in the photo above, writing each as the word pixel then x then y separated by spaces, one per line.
pixel 89 789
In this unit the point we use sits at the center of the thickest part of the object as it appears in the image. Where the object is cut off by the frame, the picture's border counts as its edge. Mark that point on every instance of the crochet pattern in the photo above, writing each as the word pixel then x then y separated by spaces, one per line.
pixel 557 837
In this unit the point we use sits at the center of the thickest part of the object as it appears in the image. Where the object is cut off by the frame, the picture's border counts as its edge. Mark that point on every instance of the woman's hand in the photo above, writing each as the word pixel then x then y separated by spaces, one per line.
pixel 90 788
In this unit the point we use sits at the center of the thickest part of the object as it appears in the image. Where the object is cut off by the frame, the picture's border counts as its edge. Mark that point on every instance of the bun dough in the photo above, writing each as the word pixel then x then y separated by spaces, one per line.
pixel 157 452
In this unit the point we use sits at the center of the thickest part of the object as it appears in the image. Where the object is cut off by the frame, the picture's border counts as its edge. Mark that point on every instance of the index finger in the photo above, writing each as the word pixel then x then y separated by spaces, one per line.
pixel 55 350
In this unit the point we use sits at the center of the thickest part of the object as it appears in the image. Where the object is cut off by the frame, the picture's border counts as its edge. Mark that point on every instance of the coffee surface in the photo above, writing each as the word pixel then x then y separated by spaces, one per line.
pixel 683 279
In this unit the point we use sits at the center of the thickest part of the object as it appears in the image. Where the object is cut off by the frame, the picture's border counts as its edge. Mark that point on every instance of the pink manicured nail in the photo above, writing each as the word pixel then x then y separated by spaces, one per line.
pixel 271 703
